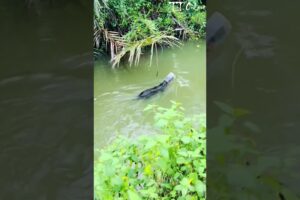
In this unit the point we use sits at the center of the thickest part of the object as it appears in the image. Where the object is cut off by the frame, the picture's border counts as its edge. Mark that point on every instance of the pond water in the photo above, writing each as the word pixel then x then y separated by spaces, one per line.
pixel 117 111
pixel 46 100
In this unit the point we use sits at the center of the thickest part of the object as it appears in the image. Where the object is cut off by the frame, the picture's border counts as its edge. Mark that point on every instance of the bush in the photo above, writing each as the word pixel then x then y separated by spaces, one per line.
pixel 123 16
pixel 125 24
pixel 168 165
pixel 239 167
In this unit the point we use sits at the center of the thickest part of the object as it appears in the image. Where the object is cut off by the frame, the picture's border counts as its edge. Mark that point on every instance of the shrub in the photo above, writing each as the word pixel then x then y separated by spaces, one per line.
pixel 167 165
pixel 125 24
pixel 239 168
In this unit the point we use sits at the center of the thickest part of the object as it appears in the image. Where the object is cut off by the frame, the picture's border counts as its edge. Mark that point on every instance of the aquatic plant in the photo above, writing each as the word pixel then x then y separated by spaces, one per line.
pixel 168 165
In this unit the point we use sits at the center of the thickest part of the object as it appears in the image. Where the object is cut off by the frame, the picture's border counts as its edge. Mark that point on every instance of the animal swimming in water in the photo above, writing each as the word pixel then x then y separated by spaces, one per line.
pixel 159 88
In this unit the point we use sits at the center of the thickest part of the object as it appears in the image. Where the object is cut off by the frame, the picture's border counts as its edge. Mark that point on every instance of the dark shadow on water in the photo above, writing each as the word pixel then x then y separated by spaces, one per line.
pixel 46 102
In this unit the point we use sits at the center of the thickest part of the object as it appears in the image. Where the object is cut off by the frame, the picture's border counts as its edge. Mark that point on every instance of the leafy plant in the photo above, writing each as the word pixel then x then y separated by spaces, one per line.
pixel 238 169
pixel 168 165
pixel 137 21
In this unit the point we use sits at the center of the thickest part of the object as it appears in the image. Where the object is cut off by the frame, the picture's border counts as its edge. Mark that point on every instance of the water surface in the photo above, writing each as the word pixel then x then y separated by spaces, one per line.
pixel 117 111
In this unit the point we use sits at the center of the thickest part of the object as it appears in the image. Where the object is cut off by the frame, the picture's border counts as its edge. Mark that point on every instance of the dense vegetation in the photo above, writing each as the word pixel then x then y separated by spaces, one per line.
pixel 172 163
pixel 238 168
pixel 168 165
pixel 125 27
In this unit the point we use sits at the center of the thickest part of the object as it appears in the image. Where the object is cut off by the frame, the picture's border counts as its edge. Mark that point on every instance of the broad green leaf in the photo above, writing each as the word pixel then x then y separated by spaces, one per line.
pixel 185 182
pixel 186 139
pixel 117 181
pixel 132 195
pixel 164 152
pixel 253 127
pixel 163 165
pixel 161 123
pixel 200 188
pixel 224 107
pixel 180 160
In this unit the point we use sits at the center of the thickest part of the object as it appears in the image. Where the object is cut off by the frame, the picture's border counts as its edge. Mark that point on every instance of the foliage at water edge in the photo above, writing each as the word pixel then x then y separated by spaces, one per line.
pixel 168 165
pixel 123 28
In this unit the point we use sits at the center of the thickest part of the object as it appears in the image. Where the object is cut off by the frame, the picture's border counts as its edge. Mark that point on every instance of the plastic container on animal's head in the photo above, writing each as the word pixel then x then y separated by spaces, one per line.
pixel 170 77
pixel 218 27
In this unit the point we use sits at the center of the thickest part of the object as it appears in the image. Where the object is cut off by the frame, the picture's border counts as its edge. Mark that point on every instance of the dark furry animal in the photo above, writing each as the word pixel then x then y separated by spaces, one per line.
pixel 159 88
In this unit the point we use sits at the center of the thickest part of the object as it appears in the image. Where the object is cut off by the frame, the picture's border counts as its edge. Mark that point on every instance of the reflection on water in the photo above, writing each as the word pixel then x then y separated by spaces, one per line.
pixel 117 111
pixel 258 70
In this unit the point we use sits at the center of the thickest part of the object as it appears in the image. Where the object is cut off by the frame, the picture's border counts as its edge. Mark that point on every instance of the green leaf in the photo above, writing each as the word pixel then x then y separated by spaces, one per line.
pixel 106 156
pixel 180 160
pixel 109 170
pixel 185 182
pixel 161 123
pixel 183 152
pixel 200 188
pixel 178 187
pixel 164 152
pixel 116 181
pixel 163 165
pixel 240 112
pixel 224 107
pixel 186 139
pixel 143 167
pixel 132 195
pixel 178 124
pixel 253 127
pixel 184 191
pixel 149 144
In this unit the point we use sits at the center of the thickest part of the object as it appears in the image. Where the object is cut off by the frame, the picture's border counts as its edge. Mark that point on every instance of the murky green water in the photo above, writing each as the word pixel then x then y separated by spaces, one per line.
pixel 117 111
pixel 46 100
pixel 257 68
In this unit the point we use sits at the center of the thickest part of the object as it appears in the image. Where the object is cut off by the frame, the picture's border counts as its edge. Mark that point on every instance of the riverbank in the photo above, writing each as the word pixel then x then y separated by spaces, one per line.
pixel 124 30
